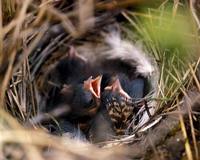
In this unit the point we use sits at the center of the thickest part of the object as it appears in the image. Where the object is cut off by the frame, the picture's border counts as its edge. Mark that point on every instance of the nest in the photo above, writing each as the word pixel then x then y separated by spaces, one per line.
pixel 30 40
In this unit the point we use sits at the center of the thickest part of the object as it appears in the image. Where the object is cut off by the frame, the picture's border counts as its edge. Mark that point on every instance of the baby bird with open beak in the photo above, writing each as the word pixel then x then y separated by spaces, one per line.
pixel 120 99
pixel 83 101
pixel 114 100
pixel 114 115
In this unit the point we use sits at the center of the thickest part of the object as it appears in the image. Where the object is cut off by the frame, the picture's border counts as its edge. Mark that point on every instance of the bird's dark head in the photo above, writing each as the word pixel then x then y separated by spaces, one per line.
pixel 84 98
pixel 120 111
pixel 74 68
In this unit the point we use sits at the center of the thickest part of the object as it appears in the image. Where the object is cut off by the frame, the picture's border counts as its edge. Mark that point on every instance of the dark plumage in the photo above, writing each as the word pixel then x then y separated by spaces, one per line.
pixel 68 83
pixel 101 127
pixel 73 69
pixel 58 70
pixel 82 99
pixel 136 88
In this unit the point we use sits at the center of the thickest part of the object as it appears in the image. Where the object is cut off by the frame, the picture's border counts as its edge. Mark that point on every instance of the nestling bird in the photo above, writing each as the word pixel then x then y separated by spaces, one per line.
pixel 121 98
pixel 82 99
pixel 73 87
pixel 70 68
pixel 114 99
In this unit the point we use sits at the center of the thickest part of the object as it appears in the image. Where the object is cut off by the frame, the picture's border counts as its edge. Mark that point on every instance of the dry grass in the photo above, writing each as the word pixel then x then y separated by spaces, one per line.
pixel 23 24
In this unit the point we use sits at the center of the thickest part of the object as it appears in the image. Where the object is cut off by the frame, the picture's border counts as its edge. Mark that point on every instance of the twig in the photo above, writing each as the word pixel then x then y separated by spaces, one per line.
pixel 117 4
